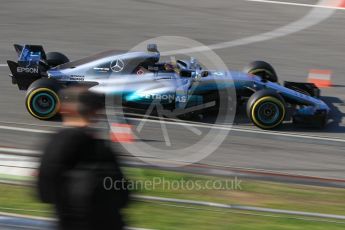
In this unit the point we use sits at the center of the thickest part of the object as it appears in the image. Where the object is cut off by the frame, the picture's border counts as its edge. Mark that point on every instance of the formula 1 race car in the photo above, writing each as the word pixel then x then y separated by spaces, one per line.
pixel 43 74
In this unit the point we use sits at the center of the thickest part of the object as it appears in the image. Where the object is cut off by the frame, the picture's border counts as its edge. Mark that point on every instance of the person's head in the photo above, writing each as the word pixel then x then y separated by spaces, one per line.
pixel 79 106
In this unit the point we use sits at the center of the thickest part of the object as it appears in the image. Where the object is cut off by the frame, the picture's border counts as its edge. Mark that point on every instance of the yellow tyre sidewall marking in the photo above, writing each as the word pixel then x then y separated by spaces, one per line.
pixel 53 113
pixel 270 99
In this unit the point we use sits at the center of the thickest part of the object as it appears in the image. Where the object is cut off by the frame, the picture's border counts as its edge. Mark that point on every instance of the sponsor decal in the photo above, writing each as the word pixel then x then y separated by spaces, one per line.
pixel 152 68
pixel 101 69
pixel 169 97
pixel 182 99
pixel 76 78
pixel 27 70
pixel 117 65
pixel 166 97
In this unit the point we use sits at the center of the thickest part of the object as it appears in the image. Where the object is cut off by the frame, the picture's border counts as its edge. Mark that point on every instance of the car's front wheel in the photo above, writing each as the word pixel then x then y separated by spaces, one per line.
pixel 266 109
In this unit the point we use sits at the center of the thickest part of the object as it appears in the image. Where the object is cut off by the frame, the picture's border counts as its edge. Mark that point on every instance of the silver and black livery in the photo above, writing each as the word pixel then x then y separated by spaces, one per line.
pixel 268 103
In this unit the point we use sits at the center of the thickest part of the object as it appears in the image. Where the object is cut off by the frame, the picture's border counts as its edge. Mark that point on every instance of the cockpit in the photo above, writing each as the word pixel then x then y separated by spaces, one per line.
pixel 184 68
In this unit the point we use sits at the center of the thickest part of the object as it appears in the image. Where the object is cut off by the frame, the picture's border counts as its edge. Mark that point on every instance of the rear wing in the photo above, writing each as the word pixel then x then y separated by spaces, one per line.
pixel 30 53
pixel 28 67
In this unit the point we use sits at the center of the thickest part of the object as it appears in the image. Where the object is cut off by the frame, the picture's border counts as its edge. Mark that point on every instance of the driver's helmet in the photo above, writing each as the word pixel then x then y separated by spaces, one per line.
pixel 194 65
pixel 169 66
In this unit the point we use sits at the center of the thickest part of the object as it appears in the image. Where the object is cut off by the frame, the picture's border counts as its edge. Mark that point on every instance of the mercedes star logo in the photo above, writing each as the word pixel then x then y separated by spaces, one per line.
pixel 117 65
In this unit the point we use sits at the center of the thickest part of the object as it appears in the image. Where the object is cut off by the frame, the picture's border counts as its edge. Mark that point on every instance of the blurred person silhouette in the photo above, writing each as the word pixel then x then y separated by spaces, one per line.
pixel 75 164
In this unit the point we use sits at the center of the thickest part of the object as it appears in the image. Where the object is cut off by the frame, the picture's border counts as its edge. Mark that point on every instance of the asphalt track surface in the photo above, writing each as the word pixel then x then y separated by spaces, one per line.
pixel 80 28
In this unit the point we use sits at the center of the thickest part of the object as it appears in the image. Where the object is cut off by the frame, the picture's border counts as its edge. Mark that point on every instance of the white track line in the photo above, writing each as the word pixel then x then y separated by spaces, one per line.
pixel 172 121
pixel 19 151
pixel 178 203
pixel 24 129
pixel 275 133
pixel 3 65
pixel 19 166
pixel 298 4
pixel 199 125
pixel 31 124
pixel 9 216
pixel 26 164
pixel 294 135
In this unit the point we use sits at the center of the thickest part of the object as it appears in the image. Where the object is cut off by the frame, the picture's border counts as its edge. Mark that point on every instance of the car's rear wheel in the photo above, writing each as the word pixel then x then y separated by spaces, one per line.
pixel 262 69
pixel 42 100
pixel 266 109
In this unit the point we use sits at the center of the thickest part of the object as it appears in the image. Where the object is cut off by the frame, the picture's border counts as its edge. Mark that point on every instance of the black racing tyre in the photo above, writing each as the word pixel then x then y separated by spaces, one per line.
pixel 263 70
pixel 42 100
pixel 266 109
pixel 56 58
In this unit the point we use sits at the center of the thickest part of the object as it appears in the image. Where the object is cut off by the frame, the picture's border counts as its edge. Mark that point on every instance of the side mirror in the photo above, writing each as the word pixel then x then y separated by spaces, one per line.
pixel 204 74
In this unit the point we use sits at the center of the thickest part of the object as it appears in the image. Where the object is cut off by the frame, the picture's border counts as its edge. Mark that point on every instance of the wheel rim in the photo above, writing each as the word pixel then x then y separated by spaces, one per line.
pixel 262 118
pixel 43 103
pixel 268 113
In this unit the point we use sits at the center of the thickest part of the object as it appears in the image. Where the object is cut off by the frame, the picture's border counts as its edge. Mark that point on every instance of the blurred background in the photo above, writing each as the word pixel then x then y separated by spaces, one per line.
pixel 292 169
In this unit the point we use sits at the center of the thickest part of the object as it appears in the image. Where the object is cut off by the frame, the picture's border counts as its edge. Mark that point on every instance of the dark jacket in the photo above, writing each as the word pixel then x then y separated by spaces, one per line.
pixel 72 176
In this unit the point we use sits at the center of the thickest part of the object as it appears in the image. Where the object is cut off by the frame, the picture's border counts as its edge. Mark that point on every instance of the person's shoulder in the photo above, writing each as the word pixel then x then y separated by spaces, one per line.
pixel 69 131
pixel 72 133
